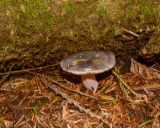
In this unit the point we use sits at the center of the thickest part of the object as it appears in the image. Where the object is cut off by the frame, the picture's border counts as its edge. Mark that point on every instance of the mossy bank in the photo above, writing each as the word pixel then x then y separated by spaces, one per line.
pixel 42 32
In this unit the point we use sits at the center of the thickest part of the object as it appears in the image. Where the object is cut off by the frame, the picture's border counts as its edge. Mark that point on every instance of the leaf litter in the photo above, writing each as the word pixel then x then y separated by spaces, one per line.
pixel 48 99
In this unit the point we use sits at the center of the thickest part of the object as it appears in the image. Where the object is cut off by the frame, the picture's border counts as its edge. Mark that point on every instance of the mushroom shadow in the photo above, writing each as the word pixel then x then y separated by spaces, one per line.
pixel 70 77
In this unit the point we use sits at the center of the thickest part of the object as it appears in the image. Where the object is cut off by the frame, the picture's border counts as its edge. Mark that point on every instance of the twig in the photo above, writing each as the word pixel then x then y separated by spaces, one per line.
pixel 8 73
pixel 77 104
pixel 110 90
pixel 26 70
pixel 152 87
pixel 61 85
pixel 126 93
pixel 130 32
pixel 126 37
pixel 126 85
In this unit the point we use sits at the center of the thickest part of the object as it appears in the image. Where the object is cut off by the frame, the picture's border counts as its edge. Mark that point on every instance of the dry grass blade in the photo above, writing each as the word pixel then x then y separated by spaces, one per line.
pixel 19 121
pixel 142 70
pixel 38 120
pixel 22 123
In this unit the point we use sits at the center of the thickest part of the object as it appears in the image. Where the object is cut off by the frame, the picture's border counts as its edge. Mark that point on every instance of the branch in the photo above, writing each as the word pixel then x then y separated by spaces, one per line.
pixel 78 105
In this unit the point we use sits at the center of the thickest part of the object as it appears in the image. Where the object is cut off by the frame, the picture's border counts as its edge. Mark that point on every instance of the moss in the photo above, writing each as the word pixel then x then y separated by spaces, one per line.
pixel 151 48
pixel 69 26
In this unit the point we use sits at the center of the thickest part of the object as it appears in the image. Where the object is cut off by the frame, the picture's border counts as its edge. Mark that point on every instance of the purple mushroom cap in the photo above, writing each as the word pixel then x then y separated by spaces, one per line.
pixel 88 62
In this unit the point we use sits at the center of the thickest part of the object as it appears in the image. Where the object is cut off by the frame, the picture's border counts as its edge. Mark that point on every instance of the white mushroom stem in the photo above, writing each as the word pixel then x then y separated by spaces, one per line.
pixel 90 82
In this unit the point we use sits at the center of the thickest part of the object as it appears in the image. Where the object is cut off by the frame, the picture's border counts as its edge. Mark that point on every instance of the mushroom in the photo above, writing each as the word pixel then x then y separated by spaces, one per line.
pixel 87 64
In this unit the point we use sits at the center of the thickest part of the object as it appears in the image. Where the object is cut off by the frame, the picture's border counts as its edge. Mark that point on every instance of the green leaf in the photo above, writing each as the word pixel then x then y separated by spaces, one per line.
pixel 147 122
pixel 110 101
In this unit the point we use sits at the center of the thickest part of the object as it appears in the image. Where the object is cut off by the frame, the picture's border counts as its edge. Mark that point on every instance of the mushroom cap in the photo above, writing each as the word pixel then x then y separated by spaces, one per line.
pixel 88 62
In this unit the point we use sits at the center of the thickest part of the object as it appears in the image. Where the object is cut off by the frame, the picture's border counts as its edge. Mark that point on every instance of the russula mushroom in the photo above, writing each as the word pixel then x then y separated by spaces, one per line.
pixel 87 64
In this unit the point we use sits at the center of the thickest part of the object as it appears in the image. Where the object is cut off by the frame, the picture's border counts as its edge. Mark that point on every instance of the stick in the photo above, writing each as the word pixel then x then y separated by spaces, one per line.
pixel 8 73
pixel 32 69
pixel 130 32
pixel 78 105
pixel 61 85
pixel 152 87
pixel 126 85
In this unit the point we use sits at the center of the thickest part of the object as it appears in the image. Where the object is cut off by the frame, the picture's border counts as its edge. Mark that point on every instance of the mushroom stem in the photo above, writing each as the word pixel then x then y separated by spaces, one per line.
pixel 90 82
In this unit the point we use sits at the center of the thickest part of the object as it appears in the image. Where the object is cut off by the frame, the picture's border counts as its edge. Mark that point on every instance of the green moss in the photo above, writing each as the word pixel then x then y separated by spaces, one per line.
pixel 65 23
pixel 36 16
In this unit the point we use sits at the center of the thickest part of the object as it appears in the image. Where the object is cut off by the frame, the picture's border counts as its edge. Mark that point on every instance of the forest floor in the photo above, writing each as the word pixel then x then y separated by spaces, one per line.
pixel 36 35
pixel 49 97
